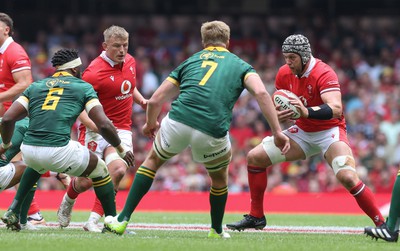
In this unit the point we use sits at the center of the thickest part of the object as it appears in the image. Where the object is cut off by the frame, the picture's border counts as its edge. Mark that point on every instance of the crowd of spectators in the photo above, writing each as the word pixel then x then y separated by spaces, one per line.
pixel 364 51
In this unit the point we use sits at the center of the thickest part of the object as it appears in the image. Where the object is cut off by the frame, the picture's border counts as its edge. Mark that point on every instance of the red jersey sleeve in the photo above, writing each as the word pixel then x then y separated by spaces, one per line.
pixel 18 60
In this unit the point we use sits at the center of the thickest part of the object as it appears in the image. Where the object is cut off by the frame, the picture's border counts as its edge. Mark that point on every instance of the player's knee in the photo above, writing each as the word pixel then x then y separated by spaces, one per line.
pixel 100 170
pixel 114 160
pixel 81 184
pixel 118 172
pixel 344 168
pixel 348 178
pixel 272 154
pixel 255 157
pixel 343 162
pixel 219 178
pixel 251 158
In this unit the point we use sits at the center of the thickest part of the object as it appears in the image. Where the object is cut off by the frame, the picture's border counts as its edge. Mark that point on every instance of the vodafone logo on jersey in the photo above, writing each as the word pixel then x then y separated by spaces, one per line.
pixel 126 88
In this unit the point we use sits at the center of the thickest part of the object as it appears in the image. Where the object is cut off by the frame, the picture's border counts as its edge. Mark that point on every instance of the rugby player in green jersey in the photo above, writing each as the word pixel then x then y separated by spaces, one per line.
pixel 53 105
pixel 206 87
pixel 11 171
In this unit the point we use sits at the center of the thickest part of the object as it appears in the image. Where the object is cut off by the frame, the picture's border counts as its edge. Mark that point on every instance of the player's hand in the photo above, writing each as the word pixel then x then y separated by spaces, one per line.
pixel 126 154
pixel 282 142
pixel 285 115
pixel 3 149
pixel 300 107
pixel 150 130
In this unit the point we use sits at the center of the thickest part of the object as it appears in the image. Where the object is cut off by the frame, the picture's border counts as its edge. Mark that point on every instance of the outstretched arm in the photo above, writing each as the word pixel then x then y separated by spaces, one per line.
pixel 86 121
pixel 255 86
pixel 164 93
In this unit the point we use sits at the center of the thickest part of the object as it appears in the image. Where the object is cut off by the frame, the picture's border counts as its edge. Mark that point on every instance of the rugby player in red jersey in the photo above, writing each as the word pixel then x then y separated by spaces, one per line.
pixel 320 129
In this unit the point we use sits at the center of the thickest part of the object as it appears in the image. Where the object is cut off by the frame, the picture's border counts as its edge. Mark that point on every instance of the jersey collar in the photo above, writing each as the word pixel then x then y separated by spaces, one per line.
pixel 217 48
pixel 62 74
pixel 107 59
pixel 310 67
pixel 5 45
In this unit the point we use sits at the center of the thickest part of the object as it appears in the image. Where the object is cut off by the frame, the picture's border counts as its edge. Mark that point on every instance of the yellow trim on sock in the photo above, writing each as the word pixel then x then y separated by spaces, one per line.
pixel 146 172
pixel 102 182
pixel 218 192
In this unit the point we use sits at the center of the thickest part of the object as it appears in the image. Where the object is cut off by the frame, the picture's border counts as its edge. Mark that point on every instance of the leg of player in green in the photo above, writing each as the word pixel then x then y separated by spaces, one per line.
pixel 28 180
pixel 394 212
pixel 389 231
pixel 104 189
pixel 23 215
pixel 143 180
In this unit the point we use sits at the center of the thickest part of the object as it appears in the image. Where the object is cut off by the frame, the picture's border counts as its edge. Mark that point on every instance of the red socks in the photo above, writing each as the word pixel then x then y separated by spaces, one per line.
pixel 367 203
pixel 97 207
pixel 71 192
pixel 257 178
pixel 34 208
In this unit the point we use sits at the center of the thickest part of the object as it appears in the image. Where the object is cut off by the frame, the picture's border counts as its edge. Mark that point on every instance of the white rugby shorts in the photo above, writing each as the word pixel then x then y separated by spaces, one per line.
pixel 313 143
pixel 97 144
pixel 7 172
pixel 175 137
pixel 72 159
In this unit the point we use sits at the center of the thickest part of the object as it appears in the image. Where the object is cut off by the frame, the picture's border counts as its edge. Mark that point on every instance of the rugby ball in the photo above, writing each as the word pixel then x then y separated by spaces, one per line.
pixel 282 97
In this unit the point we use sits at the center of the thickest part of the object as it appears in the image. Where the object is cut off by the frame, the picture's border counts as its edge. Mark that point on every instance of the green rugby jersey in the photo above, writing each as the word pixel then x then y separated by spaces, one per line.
pixel 210 83
pixel 19 132
pixel 54 105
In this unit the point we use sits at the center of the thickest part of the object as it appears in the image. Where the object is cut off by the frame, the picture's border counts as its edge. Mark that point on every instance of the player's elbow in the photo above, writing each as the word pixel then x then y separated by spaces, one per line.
pixel 6 120
pixel 261 94
pixel 337 110
pixel 105 126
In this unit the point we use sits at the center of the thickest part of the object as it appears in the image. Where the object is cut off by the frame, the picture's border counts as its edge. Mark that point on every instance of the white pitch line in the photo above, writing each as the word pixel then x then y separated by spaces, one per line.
pixel 206 227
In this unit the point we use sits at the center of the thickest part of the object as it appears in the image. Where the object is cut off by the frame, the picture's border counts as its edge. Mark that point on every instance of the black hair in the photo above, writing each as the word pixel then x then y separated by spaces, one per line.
pixel 64 56
pixel 8 21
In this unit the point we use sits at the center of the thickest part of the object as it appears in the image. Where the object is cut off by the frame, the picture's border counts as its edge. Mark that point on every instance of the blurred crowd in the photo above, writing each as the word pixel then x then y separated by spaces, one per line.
pixel 364 51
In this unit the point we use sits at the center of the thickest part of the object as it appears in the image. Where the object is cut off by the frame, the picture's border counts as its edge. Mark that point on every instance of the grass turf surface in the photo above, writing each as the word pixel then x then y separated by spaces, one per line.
pixel 149 239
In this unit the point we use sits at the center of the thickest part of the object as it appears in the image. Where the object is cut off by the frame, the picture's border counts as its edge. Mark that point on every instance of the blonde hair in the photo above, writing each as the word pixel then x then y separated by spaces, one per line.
pixel 215 33
pixel 115 31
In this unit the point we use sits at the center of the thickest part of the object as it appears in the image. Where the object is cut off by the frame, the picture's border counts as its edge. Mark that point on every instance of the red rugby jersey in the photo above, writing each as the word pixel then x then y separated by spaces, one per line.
pixel 319 78
pixel 13 58
pixel 114 86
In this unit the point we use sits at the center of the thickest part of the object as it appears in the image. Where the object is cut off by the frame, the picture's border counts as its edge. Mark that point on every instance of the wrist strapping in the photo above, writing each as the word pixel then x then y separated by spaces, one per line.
pixel 322 112
pixel 123 153
pixel 6 146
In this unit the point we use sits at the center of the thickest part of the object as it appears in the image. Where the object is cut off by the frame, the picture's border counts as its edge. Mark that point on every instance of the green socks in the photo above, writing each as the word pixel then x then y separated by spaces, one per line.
pixel 141 185
pixel 218 197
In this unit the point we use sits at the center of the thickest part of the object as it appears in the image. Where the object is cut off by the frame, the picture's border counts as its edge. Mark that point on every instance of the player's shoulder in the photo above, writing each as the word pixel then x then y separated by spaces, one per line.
pixel 15 46
pixel 15 50
pixel 322 68
pixel 95 65
pixel 94 68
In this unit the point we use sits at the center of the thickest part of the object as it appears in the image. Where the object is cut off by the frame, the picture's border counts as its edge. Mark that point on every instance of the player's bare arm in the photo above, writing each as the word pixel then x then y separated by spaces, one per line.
pixel 334 100
pixel 22 80
pixel 284 116
pixel 86 121
pixel 255 86
pixel 139 99
pixel 166 92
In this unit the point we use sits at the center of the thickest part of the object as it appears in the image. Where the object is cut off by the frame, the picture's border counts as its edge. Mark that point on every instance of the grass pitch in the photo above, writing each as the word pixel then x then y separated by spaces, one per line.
pixel 188 231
